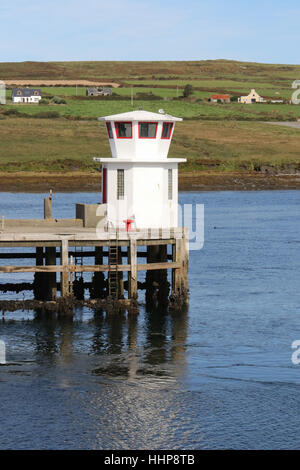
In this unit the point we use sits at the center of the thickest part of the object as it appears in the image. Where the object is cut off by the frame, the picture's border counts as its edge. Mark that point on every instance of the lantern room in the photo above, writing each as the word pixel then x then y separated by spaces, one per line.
pixel 140 134
pixel 140 182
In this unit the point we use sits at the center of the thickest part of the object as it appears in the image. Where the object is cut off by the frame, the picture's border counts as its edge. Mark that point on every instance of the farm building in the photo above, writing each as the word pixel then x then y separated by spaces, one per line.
pixel 253 97
pixel 26 95
pixel 220 98
pixel 94 91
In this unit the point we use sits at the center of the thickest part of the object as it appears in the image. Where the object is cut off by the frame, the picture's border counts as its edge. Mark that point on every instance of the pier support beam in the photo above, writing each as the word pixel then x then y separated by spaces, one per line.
pixel 132 274
pixel 120 275
pixel 50 278
pixel 97 290
pixel 180 254
pixel 64 278
pixel 38 283
pixel 157 285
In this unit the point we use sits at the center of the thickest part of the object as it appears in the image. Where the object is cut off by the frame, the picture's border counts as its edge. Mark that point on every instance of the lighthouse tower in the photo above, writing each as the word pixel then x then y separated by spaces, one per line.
pixel 139 182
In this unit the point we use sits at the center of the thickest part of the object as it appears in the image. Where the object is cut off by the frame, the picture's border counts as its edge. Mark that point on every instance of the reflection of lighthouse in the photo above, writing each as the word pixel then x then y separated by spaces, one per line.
pixel 139 182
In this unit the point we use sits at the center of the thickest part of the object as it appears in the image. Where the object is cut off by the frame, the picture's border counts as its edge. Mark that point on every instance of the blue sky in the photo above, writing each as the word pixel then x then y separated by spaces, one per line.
pixel 50 30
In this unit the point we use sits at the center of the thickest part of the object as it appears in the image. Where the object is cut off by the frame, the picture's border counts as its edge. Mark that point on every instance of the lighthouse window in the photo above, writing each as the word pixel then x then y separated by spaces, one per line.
pixel 120 185
pixel 124 130
pixel 166 130
pixel 147 130
pixel 170 184
pixel 109 130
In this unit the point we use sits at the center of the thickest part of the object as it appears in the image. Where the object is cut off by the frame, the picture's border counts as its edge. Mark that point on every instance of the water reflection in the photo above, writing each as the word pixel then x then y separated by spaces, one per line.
pixel 129 346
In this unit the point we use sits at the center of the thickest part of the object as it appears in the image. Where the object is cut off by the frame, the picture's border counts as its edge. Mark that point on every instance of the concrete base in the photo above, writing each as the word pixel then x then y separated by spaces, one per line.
pixel 91 214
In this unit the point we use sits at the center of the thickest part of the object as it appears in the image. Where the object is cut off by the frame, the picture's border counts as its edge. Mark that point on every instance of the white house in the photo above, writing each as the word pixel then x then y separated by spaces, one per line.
pixel 253 97
pixel 139 182
pixel 26 95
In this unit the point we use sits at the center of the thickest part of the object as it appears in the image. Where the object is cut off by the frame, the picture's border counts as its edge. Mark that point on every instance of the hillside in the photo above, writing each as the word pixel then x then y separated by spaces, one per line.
pixel 218 75
pixel 218 140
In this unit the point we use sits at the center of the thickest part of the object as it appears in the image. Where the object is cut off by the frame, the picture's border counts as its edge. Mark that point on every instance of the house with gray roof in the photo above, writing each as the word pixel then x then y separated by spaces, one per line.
pixel 95 91
pixel 26 95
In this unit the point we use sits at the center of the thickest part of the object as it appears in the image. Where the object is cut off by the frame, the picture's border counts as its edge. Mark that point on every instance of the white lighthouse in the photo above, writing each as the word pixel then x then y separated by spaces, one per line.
pixel 139 182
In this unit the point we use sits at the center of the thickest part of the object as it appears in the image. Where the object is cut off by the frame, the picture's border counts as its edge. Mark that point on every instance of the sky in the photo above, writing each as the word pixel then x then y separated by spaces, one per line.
pixel 58 30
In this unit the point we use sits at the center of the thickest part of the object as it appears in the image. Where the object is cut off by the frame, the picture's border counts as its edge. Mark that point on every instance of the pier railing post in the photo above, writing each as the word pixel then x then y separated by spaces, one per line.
pixel 64 280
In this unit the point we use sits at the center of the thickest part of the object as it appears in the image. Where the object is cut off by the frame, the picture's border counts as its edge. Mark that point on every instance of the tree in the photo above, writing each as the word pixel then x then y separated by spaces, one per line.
pixel 188 90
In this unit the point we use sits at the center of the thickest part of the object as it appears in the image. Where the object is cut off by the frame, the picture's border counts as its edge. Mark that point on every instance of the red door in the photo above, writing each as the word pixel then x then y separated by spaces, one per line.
pixel 104 185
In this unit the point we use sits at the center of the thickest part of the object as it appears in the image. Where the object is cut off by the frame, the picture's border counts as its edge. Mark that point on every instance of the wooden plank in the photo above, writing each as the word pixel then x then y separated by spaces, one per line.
pixel 83 254
pixel 88 268
pixel 32 234
pixel 77 243
pixel 30 269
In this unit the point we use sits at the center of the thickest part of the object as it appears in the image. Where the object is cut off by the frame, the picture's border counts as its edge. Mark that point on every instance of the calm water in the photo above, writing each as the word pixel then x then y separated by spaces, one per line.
pixel 218 376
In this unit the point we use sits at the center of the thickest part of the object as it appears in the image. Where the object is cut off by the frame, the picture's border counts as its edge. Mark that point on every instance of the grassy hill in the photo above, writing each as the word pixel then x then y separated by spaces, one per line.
pixel 214 137
pixel 208 75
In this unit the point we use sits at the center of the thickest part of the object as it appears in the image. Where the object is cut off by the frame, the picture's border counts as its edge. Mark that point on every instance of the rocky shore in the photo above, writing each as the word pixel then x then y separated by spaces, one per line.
pixel 264 179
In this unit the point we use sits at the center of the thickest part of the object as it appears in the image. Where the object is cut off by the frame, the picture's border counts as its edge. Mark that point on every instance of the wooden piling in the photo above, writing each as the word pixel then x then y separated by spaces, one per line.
pixel 50 278
pixel 132 275
pixel 97 290
pixel 64 278
pixel 120 275
pixel 47 208
pixel 38 284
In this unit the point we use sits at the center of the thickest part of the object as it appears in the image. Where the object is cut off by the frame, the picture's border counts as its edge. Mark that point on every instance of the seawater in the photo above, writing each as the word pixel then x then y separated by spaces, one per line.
pixel 218 376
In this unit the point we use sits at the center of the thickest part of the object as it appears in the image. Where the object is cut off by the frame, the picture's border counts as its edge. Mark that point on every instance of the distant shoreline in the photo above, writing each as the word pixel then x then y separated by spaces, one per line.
pixel 188 181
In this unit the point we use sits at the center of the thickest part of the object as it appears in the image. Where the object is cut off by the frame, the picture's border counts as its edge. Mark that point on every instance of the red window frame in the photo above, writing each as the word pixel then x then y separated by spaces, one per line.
pixel 147 122
pixel 123 122
pixel 170 132
pixel 109 130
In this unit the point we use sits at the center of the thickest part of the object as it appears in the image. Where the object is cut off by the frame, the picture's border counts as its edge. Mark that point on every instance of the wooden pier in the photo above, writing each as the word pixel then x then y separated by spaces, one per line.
pixel 65 246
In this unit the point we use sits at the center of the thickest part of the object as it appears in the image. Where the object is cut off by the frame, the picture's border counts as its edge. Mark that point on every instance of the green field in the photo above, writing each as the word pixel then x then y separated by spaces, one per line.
pixel 183 108
pixel 65 145
pixel 222 137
